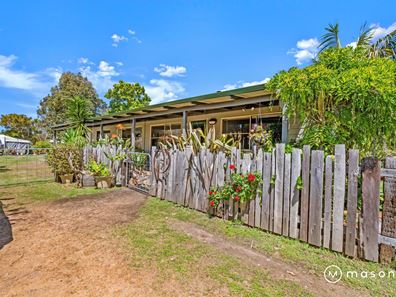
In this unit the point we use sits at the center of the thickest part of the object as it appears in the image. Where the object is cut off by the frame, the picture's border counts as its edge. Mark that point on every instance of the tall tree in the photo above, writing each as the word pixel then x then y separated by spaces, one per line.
pixel 19 126
pixel 52 108
pixel 126 96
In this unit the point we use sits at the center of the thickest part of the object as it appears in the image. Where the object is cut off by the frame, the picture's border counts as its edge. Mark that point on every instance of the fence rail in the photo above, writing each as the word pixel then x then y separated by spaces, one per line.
pixel 17 167
pixel 331 202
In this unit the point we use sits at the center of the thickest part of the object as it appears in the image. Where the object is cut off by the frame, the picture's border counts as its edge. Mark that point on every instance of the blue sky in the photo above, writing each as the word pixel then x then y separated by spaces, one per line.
pixel 176 49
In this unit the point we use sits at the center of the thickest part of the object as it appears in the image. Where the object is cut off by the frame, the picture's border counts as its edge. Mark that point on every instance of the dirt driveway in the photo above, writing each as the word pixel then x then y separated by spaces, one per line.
pixel 65 247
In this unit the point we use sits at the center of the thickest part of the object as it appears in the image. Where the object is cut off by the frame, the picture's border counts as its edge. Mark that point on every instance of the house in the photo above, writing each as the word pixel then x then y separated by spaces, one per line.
pixel 234 112
pixel 17 145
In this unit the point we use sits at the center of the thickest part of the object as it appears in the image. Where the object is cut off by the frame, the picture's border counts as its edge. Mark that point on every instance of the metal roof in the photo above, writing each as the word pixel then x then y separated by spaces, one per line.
pixel 235 97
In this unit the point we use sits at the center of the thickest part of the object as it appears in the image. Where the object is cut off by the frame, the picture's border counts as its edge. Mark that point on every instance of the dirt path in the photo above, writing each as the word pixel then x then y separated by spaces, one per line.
pixel 64 248
pixel 277 268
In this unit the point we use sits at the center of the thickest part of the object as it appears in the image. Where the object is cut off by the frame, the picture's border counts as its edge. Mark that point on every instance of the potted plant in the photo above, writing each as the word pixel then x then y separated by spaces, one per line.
pixel 63 159
pixel 101 173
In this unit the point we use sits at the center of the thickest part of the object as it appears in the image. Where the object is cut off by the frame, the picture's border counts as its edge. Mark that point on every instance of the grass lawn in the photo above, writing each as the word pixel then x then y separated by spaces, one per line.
pixel 151 241
pixel 22 169
pixel 153 245
pixel 44 192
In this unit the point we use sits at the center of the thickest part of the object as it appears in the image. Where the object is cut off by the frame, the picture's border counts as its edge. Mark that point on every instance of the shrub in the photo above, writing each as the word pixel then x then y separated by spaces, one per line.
pixel 41 147
pixel 97 169
pixel 64 159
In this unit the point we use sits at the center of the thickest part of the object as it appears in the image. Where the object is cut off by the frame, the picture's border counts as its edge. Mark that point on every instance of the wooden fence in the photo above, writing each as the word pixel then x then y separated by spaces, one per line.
pixel 110 155
pixel 327 201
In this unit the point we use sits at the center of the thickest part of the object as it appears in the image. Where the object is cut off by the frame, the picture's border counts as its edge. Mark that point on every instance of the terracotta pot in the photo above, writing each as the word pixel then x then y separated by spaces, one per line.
pixel 66 178
pixel 103 182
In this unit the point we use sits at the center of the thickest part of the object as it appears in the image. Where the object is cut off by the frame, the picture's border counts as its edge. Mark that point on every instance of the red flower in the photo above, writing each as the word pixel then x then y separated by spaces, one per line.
pixel 238 189
pixel 232 167
pixel 214 193
pixel 251 177
pixel 212 203
pixel 237 198
pixel 210 193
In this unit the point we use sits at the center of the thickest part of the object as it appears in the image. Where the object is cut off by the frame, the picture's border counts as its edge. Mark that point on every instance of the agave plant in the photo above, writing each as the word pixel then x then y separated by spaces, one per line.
pixel 72 136
pixel 197 140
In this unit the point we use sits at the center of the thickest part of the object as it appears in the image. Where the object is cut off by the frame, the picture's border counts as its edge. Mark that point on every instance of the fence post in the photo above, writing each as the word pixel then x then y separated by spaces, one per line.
pixel 387 252
pixel 279 184
pixel 353 172
pixel 305 193
pixel 316 199
pixel 371 174
pixel 339 198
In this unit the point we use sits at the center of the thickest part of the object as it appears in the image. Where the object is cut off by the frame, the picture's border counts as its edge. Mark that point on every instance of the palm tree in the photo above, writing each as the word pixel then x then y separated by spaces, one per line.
pixel 383 47
pixel 78 112
pixel 331 38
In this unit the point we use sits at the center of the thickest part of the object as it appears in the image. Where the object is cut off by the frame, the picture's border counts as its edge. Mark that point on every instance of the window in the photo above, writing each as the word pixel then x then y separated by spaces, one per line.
pixel 161 131
pixel 238 129
pixel 199 125
pixel 273 124
pixel 126 134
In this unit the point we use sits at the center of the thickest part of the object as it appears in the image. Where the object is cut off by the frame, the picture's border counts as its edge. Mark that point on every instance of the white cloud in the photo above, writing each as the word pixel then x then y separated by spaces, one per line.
pixel 101 77
pixel 379 32
pixel 35 82
pixel 242 84
pixel 117 39
pixel 105 69
pixel 306 50
pixel 161 90
pixel 352 44
pixel 83 60
pixel 169 71
pixel 131 32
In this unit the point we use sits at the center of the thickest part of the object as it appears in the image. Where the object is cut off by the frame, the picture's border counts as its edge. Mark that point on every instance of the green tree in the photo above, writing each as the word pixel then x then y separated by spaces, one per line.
pixel 19 126
pixel 382 47
pixel 52 108
pixel 343 97
pixel 126 96
pixel 78 112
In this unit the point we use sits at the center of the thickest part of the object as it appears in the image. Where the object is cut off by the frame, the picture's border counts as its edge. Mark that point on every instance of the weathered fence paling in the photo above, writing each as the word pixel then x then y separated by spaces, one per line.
pixel 304 194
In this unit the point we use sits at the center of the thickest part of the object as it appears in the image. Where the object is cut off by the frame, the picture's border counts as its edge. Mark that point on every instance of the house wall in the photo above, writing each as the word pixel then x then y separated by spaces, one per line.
pixel 146 125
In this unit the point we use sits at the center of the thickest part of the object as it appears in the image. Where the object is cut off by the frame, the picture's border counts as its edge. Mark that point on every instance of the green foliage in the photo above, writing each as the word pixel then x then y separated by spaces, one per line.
pixel 97 169
pixel 64 159
pixel 72 136
pixel 41 147
pixel 138 160
pixel 196 139
pixel 331 38
pixel 52 107
pixel 42 144
pixel 382 47
pixel 79 110
pixel 19 126
pixel 343 97
pixel 126 96
pixel 119 141
pixel 241 188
